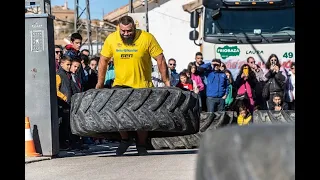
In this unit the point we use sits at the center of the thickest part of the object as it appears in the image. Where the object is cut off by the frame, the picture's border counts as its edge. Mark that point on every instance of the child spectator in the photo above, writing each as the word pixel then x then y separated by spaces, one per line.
pixel 195 77
pixel 277 103
pixel 75 67
pixel 231 90
pixel 183 83
pixel 64 93
pixel 244 117
pixel 92 74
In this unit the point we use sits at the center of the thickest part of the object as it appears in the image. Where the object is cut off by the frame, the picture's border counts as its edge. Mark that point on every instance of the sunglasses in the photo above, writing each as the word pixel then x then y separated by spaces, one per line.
pixel 252 62
pixel 172 64
pixel 57 52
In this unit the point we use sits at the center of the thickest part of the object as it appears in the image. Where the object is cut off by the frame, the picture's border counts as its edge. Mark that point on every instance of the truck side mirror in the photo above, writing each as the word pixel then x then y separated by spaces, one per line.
pixel 194 20
pixel 193 35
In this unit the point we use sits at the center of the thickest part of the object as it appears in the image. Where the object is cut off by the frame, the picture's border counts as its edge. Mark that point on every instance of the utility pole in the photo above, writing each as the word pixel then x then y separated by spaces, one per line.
pixel 130 6
pixel 102 14
pixel 147 19
pixel 97 30
pixel 89 26
pixel 76 14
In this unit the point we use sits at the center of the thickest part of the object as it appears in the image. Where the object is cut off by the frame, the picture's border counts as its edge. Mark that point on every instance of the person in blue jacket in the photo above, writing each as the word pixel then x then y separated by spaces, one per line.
pixel 217 86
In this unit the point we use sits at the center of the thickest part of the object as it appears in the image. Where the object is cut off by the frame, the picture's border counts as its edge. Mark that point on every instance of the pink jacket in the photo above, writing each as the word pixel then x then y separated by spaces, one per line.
pixel 198 81
pixel 246 87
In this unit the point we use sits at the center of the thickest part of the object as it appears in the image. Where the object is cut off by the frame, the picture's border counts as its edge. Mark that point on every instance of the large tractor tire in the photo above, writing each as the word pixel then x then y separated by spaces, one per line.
pixel 273 117
pixel 207 121
pixel 161 111
pixel 248 152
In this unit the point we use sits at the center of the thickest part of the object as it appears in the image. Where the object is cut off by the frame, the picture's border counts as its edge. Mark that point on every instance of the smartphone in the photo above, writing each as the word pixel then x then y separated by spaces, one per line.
pixel 246 72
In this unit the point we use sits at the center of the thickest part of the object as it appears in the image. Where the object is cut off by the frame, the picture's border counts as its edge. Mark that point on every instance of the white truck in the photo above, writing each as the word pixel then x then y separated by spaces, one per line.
pixel 233 30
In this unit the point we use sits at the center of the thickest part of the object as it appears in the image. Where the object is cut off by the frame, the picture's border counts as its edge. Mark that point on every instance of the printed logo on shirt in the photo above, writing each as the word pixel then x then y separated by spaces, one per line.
pixel 126 56
pixel 126 50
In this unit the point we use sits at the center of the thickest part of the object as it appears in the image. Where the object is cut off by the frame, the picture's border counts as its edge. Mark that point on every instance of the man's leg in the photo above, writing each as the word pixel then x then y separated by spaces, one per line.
pixel 210 104
pixel 215 103
pixel 221 105
pixel 125 142
pixel 64 131
pixel 142 142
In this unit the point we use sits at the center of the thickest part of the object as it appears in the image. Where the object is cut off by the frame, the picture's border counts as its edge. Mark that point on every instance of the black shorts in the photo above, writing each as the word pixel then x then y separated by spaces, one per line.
pixel 121 87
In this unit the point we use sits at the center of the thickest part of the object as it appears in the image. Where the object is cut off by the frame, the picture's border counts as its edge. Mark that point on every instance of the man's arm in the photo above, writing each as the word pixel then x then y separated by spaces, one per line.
pixel 205 67
pixel 59 93
pixel 156 52
pixel 163 68
pixel 103 65
pixel 105 56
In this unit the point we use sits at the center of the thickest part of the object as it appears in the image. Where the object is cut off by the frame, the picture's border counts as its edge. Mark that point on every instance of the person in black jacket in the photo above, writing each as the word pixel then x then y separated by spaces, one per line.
pixel 92 74
pixel 77 87
pixel 278 104
pixel 64 93
pixel 76 81
pixel 276 80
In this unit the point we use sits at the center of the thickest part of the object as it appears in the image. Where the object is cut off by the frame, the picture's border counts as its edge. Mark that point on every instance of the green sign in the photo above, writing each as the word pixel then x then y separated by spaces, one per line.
pixel 228 51
pixel 288 55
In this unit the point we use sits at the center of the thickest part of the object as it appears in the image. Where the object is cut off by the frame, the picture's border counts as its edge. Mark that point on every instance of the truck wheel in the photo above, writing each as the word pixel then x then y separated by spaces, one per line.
pixel 273 117
pixel 207 121
pixel 250 152
pixel 161 111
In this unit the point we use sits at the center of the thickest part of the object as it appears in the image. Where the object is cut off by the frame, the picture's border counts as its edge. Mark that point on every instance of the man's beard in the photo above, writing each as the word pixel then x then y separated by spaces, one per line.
pixel 129 39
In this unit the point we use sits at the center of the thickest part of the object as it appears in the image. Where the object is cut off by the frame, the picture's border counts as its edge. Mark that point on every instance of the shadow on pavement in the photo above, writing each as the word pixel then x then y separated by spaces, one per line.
pixel 109 149
pixel 93 150
pixel 156 152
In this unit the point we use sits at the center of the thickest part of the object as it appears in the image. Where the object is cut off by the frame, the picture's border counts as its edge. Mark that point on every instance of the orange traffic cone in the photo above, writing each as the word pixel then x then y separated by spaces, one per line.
pixel 29 146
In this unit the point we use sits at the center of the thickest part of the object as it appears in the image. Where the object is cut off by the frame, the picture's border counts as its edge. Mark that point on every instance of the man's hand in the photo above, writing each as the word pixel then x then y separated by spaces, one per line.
pixel 167 83
pixel 99 86
pixel 163 68
pixel 277 108
pixel 224 97
pixel 103 65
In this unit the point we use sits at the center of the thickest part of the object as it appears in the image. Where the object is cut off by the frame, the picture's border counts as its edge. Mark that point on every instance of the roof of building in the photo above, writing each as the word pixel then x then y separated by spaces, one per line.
pixel 191 6
pixel 138 4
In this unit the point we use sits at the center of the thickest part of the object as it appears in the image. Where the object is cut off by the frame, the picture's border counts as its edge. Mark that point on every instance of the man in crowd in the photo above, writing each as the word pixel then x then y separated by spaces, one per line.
pixel 58 55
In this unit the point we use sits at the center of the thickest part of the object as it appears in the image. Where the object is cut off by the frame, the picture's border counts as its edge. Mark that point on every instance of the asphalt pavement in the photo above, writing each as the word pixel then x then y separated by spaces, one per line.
pixel 100 163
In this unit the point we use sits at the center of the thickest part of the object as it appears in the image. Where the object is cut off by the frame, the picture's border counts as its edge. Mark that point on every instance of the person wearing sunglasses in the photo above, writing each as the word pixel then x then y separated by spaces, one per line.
pixel 58 55
pixel 174 76
pixel 259 101
pixel 217 86
pixel 276 79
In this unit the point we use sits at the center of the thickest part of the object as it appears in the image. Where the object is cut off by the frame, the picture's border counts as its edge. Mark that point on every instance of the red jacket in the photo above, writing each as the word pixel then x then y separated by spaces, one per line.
pixel 186 86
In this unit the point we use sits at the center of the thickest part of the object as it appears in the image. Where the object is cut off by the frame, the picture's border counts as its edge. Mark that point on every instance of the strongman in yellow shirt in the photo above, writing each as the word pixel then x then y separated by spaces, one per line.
pixel 131 50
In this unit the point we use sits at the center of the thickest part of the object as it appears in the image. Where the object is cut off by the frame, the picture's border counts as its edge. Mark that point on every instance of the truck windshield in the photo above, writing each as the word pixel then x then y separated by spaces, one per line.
pixel 247 21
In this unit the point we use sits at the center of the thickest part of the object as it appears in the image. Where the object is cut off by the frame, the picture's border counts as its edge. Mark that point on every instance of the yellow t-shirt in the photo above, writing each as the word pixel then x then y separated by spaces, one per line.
pixel 132 64
pixel 244 121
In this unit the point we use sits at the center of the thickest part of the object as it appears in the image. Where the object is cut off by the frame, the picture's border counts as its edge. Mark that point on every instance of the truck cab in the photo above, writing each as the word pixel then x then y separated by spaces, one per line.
pixel 233 30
